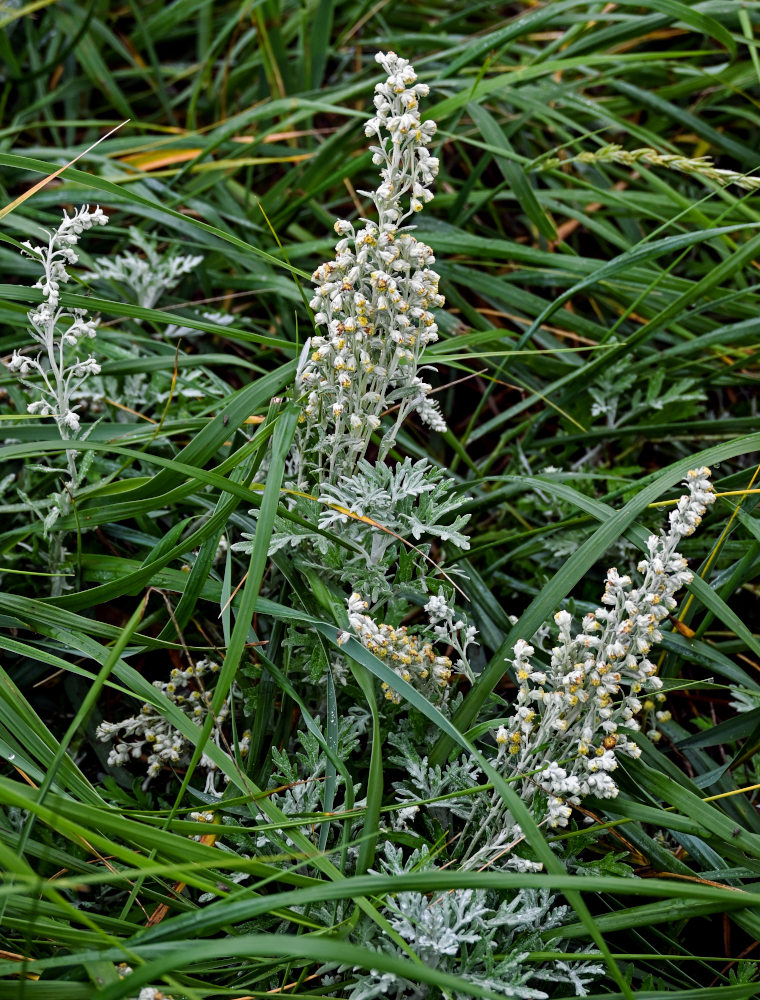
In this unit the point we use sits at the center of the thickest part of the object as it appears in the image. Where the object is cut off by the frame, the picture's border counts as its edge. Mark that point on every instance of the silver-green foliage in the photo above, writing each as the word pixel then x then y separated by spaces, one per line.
pixel 481 938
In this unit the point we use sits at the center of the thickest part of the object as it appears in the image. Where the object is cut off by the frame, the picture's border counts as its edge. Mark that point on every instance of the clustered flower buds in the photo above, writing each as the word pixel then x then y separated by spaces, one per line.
pixel 150 735
pixel 413 660
pixel 55 329
pixel 452 630
pixel 375 300
pixel 572 711
pixel 407 168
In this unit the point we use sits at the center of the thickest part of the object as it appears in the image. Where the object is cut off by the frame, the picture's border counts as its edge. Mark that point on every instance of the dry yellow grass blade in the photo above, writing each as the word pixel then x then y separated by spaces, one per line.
pixel 56 173
pixel 159 158
pixel 162 165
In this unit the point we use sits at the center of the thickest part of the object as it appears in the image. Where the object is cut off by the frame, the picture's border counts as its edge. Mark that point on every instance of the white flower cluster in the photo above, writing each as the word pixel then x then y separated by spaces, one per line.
pixel 150 275
pixel 413 660
pixel 375 298
pixel 150 732
pixel 428 410
pixel 407 165
pixel 55 329
pixel 572 711
pixel 206 816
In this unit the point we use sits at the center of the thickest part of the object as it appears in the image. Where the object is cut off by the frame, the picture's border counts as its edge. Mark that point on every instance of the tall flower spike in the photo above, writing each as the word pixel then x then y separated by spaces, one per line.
pixel 55 330
pixel 572 711
pixel 375 298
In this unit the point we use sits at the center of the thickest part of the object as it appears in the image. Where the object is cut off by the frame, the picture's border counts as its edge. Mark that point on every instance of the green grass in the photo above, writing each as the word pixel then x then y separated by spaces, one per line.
pixel 243 144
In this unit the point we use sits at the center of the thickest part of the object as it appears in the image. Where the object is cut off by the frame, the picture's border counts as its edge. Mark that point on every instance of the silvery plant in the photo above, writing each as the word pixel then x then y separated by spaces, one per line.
pixel 63 383
pixel 52 369
pixel 359 378
pixel 147 274
pixel 480 936
pixel 577 707
pixel 583 694
pixel 47 369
